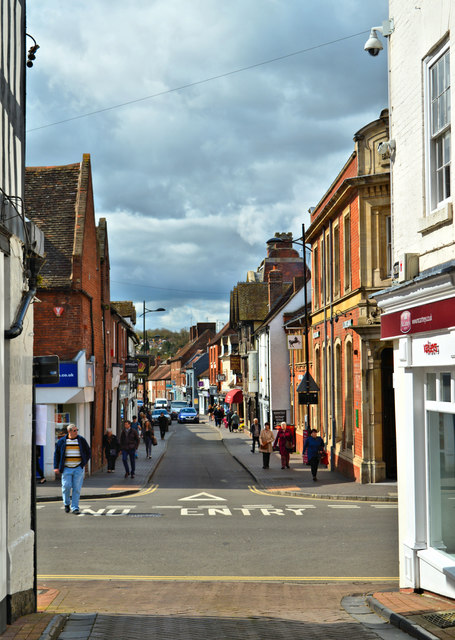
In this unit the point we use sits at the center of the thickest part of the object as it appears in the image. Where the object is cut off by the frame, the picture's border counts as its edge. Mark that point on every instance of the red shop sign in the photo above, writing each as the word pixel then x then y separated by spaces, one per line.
pixel 426 317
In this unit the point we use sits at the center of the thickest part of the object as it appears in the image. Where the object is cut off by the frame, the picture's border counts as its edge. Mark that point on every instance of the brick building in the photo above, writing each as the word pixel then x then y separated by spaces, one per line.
pixel 74 319
pixel 351 260
pixel 200 336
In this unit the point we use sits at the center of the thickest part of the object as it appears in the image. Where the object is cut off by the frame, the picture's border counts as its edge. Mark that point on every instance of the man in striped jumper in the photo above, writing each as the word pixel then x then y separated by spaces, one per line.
pixel 72 453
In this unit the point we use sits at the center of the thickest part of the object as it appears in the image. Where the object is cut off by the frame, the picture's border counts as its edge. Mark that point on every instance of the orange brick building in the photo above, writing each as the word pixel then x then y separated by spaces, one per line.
pixel 351 259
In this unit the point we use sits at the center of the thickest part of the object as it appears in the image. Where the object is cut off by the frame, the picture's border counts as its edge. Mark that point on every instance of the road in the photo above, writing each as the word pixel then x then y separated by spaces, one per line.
pixel 202 518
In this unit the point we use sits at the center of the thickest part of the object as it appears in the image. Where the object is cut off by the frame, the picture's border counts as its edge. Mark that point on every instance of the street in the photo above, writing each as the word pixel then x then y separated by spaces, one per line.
pixel 202 516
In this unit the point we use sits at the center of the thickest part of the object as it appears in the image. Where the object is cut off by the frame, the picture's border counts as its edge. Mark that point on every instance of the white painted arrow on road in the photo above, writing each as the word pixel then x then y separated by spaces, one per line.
pixel 198 497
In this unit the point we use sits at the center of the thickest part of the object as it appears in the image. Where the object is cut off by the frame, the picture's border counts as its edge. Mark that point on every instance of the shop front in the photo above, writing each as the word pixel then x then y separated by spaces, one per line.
pixel 70 400
pixel 420 318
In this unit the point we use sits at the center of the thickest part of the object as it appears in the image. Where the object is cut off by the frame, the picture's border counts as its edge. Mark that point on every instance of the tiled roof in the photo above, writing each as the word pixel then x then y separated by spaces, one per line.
pixel 126 309
pixel 51 195
pixel 163 372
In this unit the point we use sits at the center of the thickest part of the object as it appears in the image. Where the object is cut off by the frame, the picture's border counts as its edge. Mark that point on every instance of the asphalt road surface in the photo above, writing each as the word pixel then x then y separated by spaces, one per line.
pixel 201 517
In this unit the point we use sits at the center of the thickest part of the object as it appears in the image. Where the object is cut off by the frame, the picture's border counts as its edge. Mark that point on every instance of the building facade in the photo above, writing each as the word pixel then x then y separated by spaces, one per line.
pixel 21 256
pixel 350 238
pixel 419 309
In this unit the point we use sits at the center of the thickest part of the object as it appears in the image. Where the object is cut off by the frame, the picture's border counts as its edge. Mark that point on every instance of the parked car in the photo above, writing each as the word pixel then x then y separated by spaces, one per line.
pixel 176 407
pixel 156 414
pixel 188 415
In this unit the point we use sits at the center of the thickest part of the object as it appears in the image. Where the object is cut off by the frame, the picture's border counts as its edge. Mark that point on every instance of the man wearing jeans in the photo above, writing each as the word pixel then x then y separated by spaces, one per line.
pixel 129 442
pixel 72 453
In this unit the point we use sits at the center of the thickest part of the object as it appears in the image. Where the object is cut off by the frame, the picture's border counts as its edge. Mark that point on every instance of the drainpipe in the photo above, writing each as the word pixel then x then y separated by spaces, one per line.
pixel 35 264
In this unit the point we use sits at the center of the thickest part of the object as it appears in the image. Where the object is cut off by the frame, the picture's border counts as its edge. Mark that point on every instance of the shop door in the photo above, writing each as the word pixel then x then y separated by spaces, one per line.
pixel 389 443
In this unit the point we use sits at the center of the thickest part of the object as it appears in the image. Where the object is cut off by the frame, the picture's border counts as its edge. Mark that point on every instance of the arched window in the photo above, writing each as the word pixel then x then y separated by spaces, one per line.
pixel 349 396
pixel 338 393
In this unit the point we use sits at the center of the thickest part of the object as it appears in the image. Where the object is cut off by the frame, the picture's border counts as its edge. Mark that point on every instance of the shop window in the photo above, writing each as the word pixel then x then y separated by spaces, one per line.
pixel 441 454
pixel 445 387
pixel 431 386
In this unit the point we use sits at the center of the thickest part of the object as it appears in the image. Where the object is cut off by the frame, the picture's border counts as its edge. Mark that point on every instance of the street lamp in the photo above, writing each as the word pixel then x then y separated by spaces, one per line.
pixel 142 315
pixel 305 282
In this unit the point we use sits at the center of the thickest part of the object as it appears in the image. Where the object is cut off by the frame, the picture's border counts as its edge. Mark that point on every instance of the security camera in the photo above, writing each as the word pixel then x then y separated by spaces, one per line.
pixel 373 45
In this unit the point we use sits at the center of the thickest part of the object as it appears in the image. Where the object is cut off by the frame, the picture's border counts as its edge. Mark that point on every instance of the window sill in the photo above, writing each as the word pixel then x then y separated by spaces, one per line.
pixel 437 219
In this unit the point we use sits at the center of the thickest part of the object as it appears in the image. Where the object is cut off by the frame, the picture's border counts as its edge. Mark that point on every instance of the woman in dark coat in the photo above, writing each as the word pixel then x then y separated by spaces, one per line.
pixel 111 449
pixel 148 434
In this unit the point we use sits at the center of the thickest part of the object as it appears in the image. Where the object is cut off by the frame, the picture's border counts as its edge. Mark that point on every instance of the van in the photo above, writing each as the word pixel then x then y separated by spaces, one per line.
pixel 161 403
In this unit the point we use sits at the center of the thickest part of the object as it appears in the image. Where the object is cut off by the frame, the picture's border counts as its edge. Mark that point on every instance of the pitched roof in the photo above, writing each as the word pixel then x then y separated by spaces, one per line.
pixel 51 195
pixel 126 309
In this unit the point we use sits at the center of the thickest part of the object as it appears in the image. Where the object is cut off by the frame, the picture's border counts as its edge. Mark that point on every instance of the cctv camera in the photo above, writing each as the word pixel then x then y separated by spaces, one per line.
pixel 373 45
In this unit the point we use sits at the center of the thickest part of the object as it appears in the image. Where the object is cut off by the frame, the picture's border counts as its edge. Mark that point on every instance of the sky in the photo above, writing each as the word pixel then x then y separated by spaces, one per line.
pixel 211 125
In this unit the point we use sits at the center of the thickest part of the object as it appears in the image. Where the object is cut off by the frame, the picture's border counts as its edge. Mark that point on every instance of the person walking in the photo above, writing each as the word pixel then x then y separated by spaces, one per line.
pixel 217 415
pixel 39 470
pixel 266 444
pixel 235 421
pixel 255 431
pixel 129 442
pixel 148 435
pixel 162 423
pixel 72 453
pixel 284 442
pixel 316 447
pixel 111 449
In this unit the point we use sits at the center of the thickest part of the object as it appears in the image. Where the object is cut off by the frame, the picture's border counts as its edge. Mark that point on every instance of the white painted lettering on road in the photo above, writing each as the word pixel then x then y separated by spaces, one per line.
pixel 272 512
pixel 221 511
pixel 190 511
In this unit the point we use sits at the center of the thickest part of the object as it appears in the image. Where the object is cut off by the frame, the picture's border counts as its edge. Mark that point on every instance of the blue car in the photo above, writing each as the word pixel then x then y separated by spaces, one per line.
pixel 188 414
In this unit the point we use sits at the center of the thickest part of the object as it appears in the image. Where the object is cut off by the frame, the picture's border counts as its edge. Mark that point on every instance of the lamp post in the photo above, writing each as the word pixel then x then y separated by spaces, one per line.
pixel 142 315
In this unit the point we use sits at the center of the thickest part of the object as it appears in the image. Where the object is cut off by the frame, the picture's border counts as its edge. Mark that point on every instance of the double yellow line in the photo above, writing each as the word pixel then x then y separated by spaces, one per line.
pixel 221 578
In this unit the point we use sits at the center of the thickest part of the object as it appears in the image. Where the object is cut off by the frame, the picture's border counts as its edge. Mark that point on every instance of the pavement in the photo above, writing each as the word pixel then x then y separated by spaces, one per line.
pixel 387 613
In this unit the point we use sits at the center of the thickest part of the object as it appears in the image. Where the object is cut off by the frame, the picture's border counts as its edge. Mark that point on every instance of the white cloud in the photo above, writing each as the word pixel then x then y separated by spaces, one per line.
pixel 194 182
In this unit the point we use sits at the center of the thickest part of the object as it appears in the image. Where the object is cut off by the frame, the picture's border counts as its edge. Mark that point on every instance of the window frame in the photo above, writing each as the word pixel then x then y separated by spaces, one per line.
pixel 433 203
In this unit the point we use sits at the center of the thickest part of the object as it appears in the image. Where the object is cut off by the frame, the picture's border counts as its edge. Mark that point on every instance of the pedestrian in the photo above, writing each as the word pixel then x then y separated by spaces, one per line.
pixel 284 443
pixel 111 449
pixel 266 444
pixel 255 431
pixel 39 470
pixel 210 410
pixel 316 447
pixel 228 418
pixel 135 423
pixel 148 435
pixel 217 415
pixel 72 453
pixel 163 424
pixel 129 442
pixel 235 421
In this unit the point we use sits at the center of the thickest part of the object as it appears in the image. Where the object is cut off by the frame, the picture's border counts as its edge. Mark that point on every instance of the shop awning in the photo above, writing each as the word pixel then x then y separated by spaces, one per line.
pixel 234 396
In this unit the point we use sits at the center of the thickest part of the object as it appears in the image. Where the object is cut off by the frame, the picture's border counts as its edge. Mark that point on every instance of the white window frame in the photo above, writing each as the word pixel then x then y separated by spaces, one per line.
pixel 433 203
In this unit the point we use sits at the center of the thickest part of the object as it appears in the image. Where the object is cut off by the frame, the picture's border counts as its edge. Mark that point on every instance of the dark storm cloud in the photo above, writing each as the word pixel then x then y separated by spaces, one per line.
pixel 194 182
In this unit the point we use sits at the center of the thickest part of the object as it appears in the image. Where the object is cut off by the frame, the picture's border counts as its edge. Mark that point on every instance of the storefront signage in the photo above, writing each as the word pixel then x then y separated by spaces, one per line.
pixel 431 347
pixel 278 416
pixel 221 377
pixel 68 376
pixel 131 366
pixel 234 363
pixel 295 341
pixel 426 317
pixel 316 334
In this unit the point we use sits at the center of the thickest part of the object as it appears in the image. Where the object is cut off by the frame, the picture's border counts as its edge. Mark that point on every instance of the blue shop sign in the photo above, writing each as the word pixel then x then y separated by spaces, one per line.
pixel 68 376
